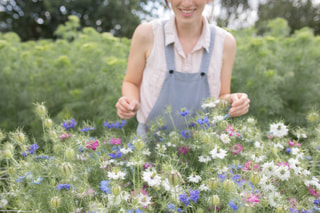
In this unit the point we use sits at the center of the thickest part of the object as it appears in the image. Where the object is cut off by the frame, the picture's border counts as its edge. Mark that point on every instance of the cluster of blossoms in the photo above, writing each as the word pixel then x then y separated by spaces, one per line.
pixel 214 165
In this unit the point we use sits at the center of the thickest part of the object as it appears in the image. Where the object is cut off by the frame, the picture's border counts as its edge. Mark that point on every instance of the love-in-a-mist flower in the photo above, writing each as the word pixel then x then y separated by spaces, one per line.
pixel 194 178
pixel 115 125
pixel 31 149
pixel 87 129
pixel 191 195
pixel 105 186
pixel 184 112
pixel 151 177
pixel 218 153
pixel 173 209
pixel 292 143
pixel 235 149
pixel 63 186
pixel 252 199
pixel 186 134
pixel 282 172
pixel 115 141
pixel 278 130
pixel 64 136
pixel 231 131
pixel 250 165
pixel 92 145
pixel 183 150
pixel 70 124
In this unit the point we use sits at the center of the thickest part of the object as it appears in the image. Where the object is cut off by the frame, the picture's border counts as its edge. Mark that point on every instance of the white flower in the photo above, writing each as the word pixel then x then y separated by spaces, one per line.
pixel 3 203
pixel 161 148
pixel 218 153
pixel 225 138
pixel 275 199
pixel 211 104
pixel 282 172
pixel 268 169
pixel 203 187
pixel 257 144
pixel 313 182
pixel 194 178
pixel 293 163
pixel 258 159
pixel 116 175
pixel 278 129
pixel 151 177
pixel 251 121
pixel 217 118
pixel 204 159
pixel 266 184
pixel 125 150
pixel 144 200
pixel 278 145
pixel 295 150
pixel 146 152
pixel 223 169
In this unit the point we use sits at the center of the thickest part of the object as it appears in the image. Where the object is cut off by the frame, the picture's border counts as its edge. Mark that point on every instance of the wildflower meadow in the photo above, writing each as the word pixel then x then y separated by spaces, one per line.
pixel 214 165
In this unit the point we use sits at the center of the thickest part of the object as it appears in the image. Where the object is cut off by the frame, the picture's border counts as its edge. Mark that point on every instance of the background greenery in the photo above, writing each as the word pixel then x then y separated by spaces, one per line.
pixel 82 79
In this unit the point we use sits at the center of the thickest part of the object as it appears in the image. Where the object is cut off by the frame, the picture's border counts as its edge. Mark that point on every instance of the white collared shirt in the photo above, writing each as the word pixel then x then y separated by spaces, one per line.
pixel 156 67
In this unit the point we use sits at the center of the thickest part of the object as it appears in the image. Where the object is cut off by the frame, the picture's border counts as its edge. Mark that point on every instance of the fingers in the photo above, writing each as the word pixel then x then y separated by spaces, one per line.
pixel 240 104
pixel 126 107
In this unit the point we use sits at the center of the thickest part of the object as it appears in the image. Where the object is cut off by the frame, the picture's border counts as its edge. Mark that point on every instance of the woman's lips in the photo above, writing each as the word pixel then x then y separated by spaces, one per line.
pixel 188 12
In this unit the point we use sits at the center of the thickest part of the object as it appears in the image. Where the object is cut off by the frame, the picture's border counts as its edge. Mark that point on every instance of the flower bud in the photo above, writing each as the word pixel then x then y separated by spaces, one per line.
pixel 139 144
pixel 48 123
pixel 53 135
pixel 175 178
pixel 41 110
pixel 69 154
pixel 7 153
pixel 19 136
pixel 2 135
pixel 55 202
pixel 229 185
pixel 66 169
pixel 116 190
pixel 214 200
pixel 255 178
pixel 212 183
pixel 313 117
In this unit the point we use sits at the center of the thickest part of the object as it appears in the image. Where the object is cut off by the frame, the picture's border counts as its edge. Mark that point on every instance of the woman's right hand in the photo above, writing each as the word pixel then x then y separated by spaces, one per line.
pixel 127 107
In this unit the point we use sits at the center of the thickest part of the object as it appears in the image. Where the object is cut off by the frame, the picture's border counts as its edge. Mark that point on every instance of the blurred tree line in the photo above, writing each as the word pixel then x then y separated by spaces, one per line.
pixel 36 19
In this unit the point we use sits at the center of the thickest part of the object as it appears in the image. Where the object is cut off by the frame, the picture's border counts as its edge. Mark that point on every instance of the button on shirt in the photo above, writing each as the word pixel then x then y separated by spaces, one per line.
pixel 156 68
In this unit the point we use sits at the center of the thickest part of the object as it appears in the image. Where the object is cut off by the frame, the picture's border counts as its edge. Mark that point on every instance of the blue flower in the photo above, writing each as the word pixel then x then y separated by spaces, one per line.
pixel 116 125
pixel 288 150
pixel 104 186
pixel 86 129
pixel 31 149
pixel 69 124
pixel 186 134
pixel 63 186
pixel 38 180
pixel 132 211
pixel 192 195
pixel 236 167
pixel 118 154
pixel 172 208
pixel 316 202
pixel 233 204
pixel 184 112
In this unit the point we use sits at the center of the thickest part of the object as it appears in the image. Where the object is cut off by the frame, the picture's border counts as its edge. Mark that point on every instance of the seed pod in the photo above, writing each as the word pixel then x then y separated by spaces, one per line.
pixel 175 178
pixel 69 154
pixel 214 200
pixel 55 202
pixel 66 169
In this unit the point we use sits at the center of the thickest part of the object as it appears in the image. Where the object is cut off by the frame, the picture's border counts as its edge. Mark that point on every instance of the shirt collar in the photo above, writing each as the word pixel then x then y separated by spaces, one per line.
pixel 172 36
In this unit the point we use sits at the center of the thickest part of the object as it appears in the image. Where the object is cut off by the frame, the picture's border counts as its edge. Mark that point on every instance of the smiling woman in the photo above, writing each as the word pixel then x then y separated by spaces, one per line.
pixel 178 63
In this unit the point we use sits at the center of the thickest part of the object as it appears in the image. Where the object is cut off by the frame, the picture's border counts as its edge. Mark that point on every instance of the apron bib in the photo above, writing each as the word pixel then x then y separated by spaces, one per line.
pixel 180 90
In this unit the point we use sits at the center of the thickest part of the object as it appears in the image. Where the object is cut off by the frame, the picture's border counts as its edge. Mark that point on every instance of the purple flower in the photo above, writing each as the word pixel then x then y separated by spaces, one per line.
pixel 192 195
pixel 116 125
pixel 184 112
pixel 87 129
pixel 104 186
pixel 69 124
pixel 31 149
pixel 186 134
pixel 63 186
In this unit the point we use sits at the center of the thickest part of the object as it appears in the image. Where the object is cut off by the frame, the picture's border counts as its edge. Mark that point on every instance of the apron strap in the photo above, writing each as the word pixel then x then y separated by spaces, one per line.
pixel 206 55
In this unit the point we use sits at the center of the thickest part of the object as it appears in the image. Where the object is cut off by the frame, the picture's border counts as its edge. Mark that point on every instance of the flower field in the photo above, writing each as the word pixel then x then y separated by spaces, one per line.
pixel 216 165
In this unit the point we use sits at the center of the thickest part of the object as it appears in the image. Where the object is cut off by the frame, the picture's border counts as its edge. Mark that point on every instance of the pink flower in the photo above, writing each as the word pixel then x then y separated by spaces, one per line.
pixel 235 149
pixel 253 199
pixel 92 145
pixel 116 141
pixel 231 131
pixel 64 136
pixel 183 149
pixel 291 143
pixel 313 192
pixel 283 163
pixel 250 166
pixel 147 165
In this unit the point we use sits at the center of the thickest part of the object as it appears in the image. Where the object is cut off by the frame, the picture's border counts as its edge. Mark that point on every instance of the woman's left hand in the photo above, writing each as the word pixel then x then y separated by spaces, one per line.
pixel 240 104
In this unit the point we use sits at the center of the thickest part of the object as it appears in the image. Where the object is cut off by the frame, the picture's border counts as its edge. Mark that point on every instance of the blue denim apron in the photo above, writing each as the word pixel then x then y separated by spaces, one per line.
pixel 180 90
